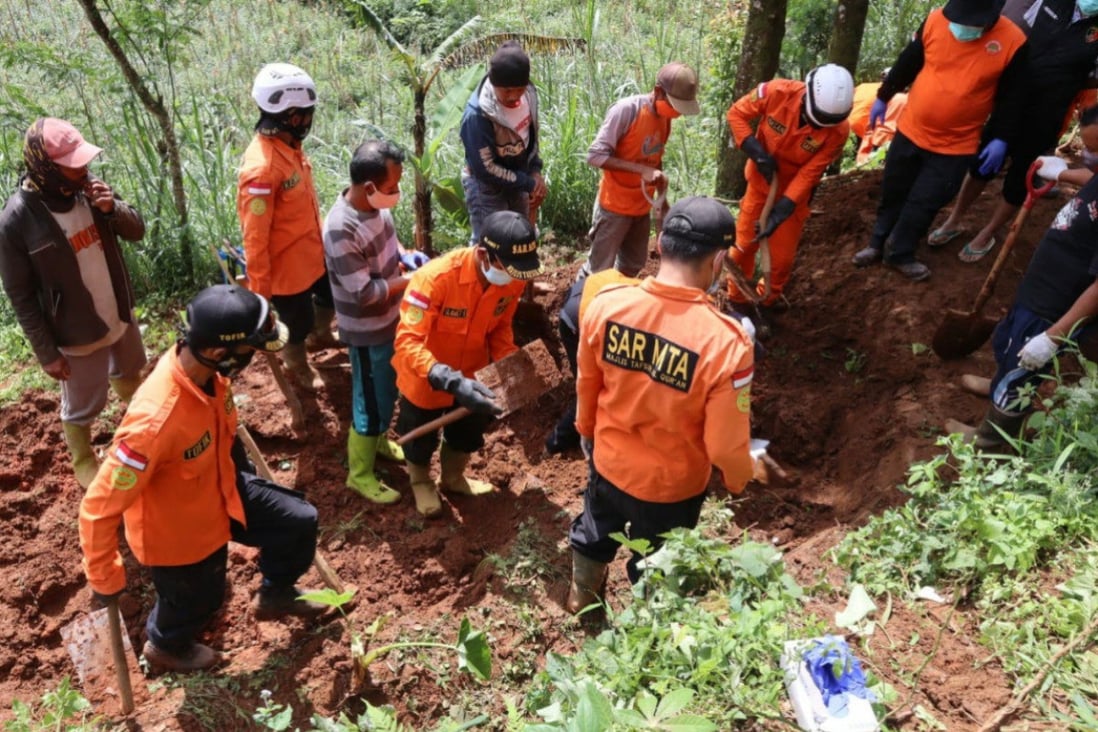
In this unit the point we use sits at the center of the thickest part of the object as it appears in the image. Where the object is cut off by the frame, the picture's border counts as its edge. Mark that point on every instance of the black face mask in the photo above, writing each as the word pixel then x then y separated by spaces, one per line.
pixel 231 363
pixel 297 122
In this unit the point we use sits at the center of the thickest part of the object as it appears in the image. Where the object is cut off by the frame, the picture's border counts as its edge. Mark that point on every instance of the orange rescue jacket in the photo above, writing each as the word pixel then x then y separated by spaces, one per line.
pixel 954 92
pixel 864 96
pixel 802 152
pixel 642 142
pixel 447 316
pixel 664 389
pixel 168 475
pixel 280 218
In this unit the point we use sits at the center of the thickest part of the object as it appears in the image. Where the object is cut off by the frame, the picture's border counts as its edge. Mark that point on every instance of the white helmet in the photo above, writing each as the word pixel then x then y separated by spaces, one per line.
pixel 279 87
pixel 829 95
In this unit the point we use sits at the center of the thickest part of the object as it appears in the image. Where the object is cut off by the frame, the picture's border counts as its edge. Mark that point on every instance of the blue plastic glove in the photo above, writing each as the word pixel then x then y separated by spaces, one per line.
pixel 413 260
pixel 877 113
pixel 992 157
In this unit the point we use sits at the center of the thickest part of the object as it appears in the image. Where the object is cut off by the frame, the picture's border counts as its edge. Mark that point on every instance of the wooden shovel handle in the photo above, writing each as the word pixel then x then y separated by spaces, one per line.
pixel 450 417
pixel 1032 194
pixel 118 652
pixel 327 574
pixel 764 242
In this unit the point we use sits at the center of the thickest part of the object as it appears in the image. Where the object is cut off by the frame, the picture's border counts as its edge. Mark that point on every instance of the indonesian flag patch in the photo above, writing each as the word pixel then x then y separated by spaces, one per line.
pixel 417 299
pixel 260 189
pixel 128 456
pixel 740 379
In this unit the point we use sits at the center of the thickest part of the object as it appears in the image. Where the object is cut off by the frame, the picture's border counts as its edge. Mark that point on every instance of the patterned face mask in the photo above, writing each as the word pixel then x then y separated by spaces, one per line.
pixel 44 176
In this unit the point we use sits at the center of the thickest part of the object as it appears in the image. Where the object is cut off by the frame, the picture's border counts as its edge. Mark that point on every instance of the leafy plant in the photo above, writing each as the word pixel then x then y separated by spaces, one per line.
pixel 63 709
pixel 471 646
pixel 698 645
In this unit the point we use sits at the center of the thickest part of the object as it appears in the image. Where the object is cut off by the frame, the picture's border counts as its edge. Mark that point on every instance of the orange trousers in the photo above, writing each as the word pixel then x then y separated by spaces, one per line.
pixel 783 246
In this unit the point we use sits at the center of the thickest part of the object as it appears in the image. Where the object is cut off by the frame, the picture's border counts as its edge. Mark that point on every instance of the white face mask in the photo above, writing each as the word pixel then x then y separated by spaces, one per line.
pixel 495 276
pixel 380 200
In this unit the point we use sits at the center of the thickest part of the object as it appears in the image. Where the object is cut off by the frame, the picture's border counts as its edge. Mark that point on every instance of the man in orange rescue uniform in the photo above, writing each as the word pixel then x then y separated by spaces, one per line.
pixel 455 318
pixel 179 479
pixel 801 129
pixel 280 216
pixel 664 395
pixel 629 150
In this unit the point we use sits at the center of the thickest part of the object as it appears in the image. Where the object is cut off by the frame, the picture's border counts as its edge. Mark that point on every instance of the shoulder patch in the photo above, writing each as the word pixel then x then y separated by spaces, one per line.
pixel 128 456
pixel 123 479
pixel 413 315
pixel 743 400
pixel 257 206
pixel 417 299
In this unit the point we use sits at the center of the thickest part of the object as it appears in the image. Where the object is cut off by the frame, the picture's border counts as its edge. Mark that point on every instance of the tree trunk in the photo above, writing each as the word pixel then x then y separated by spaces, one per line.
pixel 155 107
pixel 762 44
pixel 846 34
pixel 422 203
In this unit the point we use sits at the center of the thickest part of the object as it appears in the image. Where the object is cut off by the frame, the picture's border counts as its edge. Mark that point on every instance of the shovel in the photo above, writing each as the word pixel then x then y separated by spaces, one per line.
pixel 961 333
pixel 518 379
pixel 263 470
pixel 94 638
pixel 746 288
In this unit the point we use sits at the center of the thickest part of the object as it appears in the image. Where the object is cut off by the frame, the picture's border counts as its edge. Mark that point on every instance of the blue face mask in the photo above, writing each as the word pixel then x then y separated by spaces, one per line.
pixel 965 33
pixel 1087 7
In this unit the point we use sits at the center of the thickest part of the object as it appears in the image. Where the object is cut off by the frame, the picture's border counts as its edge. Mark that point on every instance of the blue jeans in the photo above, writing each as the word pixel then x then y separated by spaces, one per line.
pixel 373 388
pixel 1010 336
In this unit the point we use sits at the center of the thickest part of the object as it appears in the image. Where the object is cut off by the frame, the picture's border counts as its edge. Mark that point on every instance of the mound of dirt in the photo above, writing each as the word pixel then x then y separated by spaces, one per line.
pixel 848 393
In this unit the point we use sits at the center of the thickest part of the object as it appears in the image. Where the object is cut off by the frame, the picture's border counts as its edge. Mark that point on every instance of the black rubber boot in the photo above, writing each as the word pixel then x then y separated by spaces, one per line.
pixel 990 433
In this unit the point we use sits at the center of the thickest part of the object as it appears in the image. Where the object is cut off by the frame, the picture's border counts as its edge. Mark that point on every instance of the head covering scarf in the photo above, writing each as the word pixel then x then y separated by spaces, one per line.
pixel 43 176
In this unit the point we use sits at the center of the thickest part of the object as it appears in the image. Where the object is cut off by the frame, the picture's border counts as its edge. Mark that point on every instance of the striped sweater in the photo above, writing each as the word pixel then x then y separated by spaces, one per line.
pixel 362 253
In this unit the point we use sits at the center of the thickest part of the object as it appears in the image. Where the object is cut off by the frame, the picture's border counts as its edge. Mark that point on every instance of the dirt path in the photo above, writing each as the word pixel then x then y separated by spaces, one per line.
pixel 848 392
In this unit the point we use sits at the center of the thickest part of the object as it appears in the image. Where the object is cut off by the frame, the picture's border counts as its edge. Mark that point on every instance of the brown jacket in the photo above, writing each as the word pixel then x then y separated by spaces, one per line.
pixel 42 277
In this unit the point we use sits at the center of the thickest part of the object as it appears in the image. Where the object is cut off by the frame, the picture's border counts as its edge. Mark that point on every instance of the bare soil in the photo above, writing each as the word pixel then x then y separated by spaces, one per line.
pixel 848 392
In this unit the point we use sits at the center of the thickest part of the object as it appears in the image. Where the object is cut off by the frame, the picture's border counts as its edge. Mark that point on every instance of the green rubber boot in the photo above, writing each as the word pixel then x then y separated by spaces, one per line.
pixel 453 478
pixel 84 462
pixel 361 451
pixel 125 386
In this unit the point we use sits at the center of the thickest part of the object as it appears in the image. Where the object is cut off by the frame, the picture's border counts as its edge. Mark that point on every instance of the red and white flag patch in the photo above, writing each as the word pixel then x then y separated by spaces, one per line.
pixel 128 456
pixel 740 379
pixel 259 189
pixel 417 299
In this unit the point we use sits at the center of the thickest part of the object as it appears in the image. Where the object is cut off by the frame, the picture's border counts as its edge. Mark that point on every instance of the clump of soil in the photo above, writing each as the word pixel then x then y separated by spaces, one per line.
pixel 848 392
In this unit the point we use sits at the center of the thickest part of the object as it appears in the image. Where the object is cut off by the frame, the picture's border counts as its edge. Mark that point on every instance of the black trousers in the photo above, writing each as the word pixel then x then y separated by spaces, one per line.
pixel 464 435
pixel 279 521
pixel 564 434
pixel 296 311
pixel 607 509
pixel 917 184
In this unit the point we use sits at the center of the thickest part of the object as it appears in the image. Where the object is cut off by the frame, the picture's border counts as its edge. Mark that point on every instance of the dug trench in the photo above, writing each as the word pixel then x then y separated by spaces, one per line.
pixel 848 392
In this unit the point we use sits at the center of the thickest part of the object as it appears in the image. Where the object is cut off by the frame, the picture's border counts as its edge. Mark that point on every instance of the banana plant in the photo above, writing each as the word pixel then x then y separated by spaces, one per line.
pixel 462 48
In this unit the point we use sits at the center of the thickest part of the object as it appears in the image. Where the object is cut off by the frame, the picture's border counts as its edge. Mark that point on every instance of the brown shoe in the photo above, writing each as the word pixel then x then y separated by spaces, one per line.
pixel 196 658
pixel 272 603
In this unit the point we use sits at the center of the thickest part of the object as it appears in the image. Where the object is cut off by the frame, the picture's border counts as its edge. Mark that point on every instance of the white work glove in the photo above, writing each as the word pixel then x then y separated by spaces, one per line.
pixel 1038 351
pixel 1051 167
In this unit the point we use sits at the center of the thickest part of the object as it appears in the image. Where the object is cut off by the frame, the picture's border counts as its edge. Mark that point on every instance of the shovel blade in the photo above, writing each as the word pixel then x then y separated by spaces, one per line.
pixel 961 333
pixel 522 377
pixel 88 641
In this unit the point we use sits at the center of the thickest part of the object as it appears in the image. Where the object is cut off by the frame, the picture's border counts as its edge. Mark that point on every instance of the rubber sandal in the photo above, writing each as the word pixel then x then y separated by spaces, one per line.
pixel 941 237
pixel 971 254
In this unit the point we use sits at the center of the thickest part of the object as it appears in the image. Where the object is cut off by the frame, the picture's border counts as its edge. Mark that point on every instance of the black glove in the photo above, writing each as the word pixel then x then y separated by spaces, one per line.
pixel 105 600
pixel 755 150
pixel 782 210
pixel 468 393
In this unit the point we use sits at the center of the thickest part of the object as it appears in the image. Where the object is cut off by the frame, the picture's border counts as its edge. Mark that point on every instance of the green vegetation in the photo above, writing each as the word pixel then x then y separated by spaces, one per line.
pixel 63 710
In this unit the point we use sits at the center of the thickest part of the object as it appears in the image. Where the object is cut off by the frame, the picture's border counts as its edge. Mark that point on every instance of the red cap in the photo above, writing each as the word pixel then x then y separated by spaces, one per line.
pixel 65 145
